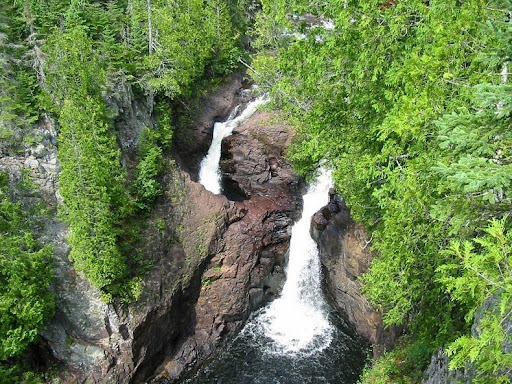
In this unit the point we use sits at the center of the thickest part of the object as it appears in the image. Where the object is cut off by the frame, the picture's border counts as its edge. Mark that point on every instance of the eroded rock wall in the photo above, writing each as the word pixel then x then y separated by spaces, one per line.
pixel 214 259
pixel 345 255
pixel 101 343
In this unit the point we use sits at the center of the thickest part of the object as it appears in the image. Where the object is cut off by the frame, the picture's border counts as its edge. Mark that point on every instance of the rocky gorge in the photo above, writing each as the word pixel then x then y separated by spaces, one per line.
pixel 214 258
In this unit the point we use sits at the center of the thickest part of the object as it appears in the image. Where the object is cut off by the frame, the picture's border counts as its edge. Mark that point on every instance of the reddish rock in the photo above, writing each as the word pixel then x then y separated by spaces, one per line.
pixel 345 254
pixel 214 259
pixel 245 267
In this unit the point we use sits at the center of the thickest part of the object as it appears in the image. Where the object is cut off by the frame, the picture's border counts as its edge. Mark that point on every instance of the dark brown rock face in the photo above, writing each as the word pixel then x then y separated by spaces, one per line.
pixel 344 254
pixel 245 263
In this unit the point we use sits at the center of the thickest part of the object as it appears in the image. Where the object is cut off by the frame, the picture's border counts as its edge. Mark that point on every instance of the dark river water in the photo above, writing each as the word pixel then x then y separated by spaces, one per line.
pixel 246 361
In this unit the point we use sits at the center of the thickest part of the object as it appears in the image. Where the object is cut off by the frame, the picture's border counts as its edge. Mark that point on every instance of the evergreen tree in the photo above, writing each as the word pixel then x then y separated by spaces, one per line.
pixel 25 276
pixel 17 80
pixel 409 103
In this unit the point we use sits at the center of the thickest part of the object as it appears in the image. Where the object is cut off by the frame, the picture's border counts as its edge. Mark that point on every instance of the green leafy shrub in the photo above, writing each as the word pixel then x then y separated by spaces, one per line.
pixel 478 273
pixel 403 365
pixel 410 104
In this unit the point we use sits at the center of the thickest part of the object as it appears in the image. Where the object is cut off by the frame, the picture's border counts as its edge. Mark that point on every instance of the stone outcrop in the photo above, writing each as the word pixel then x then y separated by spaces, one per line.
pixel 80 313
pixel 245 263
pixel 438 372
pixel 92 339
pixel 133 114
pixel 344 253
pixel 252 158
pixel 39 163
pixel 118 343
pixel 104 343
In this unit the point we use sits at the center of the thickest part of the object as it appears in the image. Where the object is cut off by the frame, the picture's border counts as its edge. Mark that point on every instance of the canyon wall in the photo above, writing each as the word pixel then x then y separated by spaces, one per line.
pixel 213 258
pixel 344 248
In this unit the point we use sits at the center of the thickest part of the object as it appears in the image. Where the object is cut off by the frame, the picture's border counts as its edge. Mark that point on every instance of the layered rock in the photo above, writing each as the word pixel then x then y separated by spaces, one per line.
pixel 344 253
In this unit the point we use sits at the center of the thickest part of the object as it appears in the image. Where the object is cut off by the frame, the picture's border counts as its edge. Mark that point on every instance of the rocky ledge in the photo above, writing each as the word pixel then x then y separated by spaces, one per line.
pixel 344 253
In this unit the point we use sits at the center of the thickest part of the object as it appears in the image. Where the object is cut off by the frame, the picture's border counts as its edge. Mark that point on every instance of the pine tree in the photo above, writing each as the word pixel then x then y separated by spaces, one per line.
pixel 26 273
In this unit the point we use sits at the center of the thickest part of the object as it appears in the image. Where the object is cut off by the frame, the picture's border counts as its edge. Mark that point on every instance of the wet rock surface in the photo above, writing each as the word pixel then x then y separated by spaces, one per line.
pixel 344 254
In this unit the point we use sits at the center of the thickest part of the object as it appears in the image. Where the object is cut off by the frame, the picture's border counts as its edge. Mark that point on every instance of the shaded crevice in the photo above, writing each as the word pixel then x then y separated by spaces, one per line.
pixel 194 135
pixel 233 191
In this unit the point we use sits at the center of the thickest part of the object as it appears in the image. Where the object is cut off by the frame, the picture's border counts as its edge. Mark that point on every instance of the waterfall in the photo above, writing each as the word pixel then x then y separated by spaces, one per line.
pixel 297 322
pixel 297 338
pixel 209 171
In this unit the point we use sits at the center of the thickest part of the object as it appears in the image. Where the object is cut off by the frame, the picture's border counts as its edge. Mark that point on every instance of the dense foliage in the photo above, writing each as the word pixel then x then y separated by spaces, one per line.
pixel 25 276
pixel 410 102
pixel 70 58
pixel 479 274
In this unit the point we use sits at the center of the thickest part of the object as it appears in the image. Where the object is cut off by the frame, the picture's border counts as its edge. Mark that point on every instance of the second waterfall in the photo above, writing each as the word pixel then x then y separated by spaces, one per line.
pixel 297 322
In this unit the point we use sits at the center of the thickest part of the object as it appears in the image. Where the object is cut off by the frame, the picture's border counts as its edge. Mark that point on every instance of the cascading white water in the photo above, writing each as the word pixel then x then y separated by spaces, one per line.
pixel 295 339
pixel 297 322
pixel 209 171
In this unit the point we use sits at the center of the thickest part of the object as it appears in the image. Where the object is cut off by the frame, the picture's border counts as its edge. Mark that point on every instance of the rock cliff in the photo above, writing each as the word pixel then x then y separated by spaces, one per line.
pixel 245 261
pixel 438 372
pixel 344 248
